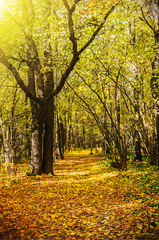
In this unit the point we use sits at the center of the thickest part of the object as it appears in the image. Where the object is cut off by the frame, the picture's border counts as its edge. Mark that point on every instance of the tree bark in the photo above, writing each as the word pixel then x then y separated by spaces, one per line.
pixel 138 155
pixel 157 127
pixel 36 140
pixel 47 166
pixel 36 149
pixel 155 95
pixel 40 96
pixel 60 137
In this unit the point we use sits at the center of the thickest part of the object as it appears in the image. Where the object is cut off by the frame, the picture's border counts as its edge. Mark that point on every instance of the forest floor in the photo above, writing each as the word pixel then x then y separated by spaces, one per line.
pixel 86 199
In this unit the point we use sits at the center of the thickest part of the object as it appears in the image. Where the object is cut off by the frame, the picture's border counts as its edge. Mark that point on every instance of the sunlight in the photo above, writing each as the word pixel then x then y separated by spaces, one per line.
pixel 2 6
pixel 1 3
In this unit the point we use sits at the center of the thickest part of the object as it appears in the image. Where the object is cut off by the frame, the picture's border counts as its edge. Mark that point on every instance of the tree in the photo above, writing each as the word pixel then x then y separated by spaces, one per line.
pixel 150 15
pixel 116 79
pixel 35 52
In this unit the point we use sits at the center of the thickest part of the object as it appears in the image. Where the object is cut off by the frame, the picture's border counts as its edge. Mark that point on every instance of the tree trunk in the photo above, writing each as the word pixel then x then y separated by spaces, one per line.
pixel 36 149
pixel 124 159
pixel 138 155
pixel 47 165
pixel 84 137
pixel 36 141
pixel 155 95
pixel 60 137
pixel 6 145
pixel 157 127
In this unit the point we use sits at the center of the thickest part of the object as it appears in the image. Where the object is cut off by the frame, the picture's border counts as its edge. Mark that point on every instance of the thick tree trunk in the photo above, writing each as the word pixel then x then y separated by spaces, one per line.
pixel 36 149
pixel 37 138
pixel 47 165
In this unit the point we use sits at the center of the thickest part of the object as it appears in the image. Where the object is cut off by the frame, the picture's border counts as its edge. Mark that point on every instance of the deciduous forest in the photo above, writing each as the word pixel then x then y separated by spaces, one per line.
pixel 79 119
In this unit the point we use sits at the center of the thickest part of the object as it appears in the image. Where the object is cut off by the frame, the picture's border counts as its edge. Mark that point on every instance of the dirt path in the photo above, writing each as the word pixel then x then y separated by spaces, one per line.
pixel 84 200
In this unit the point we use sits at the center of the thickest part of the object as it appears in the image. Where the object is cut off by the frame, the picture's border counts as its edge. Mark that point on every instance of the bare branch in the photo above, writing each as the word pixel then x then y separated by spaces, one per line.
pixel 98 29
pixel 18 60
pixel 113 77
pixel 101 100
pixel 70 24
pixel 95 116
pixel 74 42
pixel 74 5
pixel 147 22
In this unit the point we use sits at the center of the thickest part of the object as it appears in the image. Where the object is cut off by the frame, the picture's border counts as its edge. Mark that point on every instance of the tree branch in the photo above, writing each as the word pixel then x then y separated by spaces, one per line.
pixel 16 75
pixel 98 29
pixel 70 24
pixel 64 77
pixel 95 116
pixel 103 103
pixel 148 22
pixel 76 54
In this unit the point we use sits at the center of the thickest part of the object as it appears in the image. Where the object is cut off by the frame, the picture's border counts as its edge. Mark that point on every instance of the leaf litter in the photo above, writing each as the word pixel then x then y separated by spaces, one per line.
pixel 88 201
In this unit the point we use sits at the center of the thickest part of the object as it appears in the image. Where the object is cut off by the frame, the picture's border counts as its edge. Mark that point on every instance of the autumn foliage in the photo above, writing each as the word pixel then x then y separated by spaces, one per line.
pixel 86 199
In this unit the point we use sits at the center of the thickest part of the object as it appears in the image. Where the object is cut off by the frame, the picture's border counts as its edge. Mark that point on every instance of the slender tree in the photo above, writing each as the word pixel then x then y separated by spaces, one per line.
pixel 150 14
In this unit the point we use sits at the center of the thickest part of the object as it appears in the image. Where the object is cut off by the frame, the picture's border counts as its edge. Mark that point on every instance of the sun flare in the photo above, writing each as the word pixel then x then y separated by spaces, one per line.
pixel 1 2
pixel 2 7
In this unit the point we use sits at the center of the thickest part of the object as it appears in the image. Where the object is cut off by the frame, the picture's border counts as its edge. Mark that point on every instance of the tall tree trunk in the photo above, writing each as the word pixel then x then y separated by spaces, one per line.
pixel 36 141
pixel 157 127
pixel 155 95
pixel 137 140
pixel 60 137
pixel 138 155
pixel 69 130
pixel 6 144
pixel 84 137
pixel 155 80
pixel 47 166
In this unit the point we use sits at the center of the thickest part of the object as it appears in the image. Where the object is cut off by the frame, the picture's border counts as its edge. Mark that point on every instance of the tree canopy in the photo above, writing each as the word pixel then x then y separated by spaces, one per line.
pixel 97 57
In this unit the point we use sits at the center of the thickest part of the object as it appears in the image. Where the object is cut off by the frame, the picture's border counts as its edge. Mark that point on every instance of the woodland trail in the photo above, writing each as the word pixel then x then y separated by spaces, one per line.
pixel 84 200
